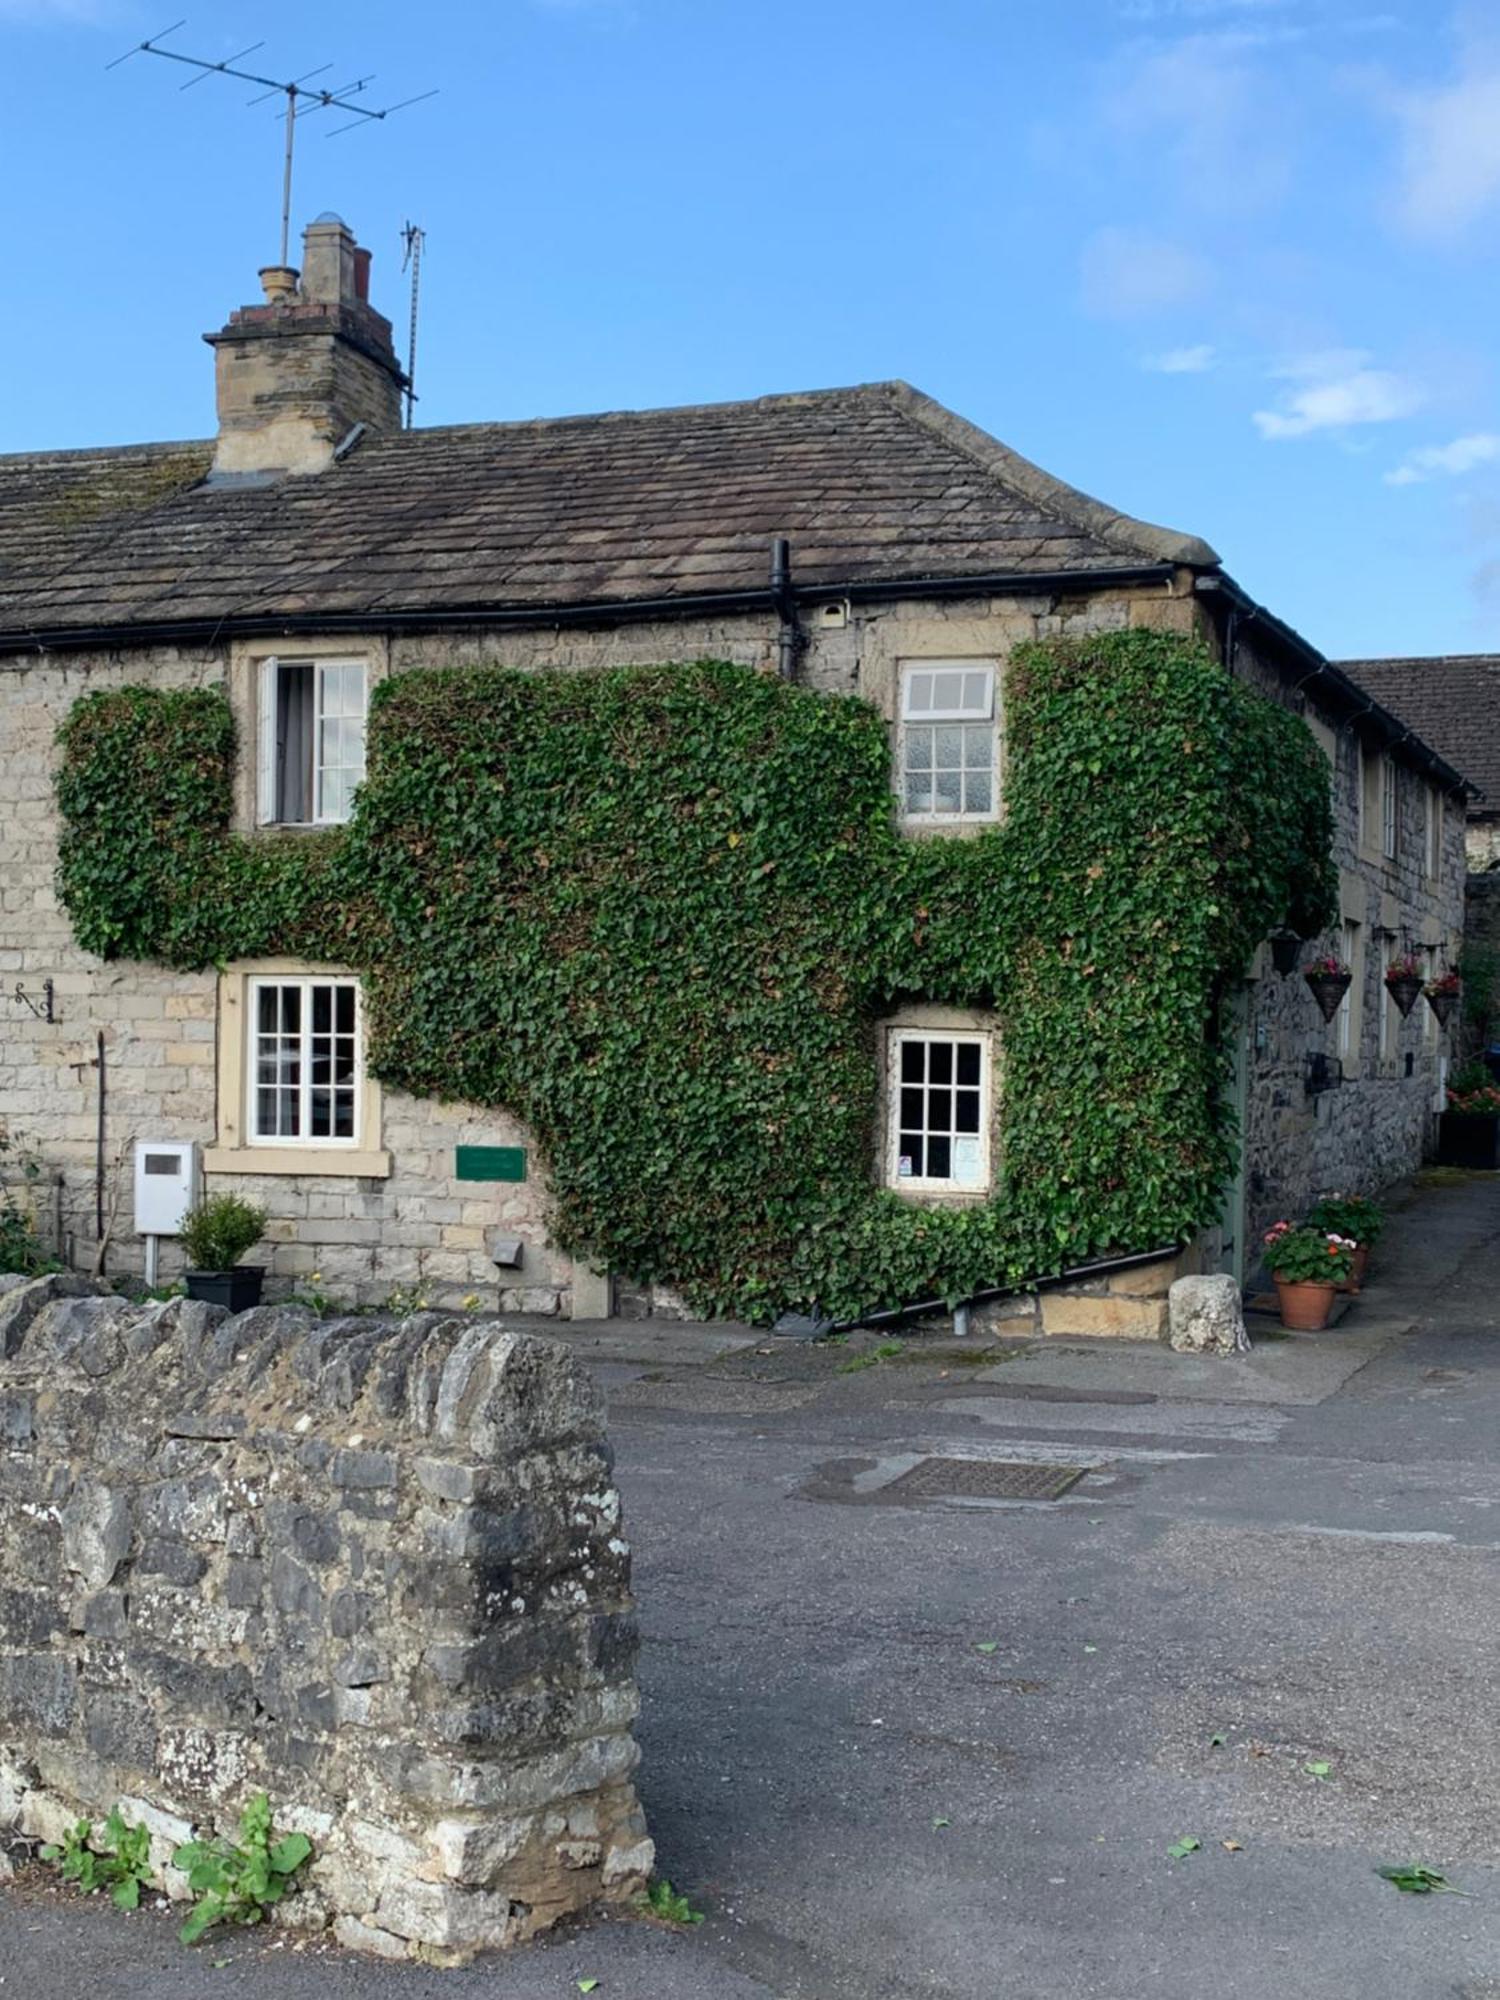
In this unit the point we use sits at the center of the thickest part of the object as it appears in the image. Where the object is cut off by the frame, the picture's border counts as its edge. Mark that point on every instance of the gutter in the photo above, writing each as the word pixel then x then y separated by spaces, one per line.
pixel 797 1327
pixel 774 600
pixel 1347 695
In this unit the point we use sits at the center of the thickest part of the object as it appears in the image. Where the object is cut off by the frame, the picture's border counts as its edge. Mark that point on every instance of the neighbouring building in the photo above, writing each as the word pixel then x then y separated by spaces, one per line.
pixel 866 541
pixel 1452 701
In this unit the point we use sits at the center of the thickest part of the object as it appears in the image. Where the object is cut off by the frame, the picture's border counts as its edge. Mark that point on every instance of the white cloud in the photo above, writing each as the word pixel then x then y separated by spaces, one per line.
pixel 1450 156
pixel 1338 389
pixel 1203 112
pixel 1182 360
pixel 1126 273
pixel 1436 461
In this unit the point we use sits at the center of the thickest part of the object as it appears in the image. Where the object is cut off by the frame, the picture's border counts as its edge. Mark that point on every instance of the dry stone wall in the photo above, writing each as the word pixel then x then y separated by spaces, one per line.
pixel 372 1568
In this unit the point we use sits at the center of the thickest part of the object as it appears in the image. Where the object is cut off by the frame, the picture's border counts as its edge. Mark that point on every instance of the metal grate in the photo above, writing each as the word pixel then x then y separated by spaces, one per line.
pixel 983 1479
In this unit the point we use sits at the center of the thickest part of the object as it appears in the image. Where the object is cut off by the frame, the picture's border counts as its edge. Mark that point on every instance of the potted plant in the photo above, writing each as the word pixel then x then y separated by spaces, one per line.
pixel 1356 1217
pixel 1403 981
pixel 1469 1130
pixel 1443 994
pixel 215 1235
pixel 1330 979
pixel 1308 1266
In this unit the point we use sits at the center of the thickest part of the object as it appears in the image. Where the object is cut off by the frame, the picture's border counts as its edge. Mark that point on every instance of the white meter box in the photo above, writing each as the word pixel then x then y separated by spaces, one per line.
pixel 166 1184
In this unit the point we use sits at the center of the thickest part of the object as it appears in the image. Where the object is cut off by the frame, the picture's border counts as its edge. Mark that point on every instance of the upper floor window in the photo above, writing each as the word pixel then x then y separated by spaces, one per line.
pixel 311 740
pixel 1432 828
pixel 949 741
pixel 1389 798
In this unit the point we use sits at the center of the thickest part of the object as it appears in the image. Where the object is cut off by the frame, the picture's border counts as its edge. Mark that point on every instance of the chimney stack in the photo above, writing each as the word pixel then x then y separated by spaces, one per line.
pixel 295 375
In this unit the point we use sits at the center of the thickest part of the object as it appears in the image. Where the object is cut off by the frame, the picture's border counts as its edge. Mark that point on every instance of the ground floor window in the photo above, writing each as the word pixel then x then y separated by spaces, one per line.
pixel 305 1061
pixel 940 1110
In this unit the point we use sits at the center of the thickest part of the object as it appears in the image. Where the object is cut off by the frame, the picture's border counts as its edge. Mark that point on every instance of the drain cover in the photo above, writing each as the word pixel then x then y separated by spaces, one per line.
pixel 983 1479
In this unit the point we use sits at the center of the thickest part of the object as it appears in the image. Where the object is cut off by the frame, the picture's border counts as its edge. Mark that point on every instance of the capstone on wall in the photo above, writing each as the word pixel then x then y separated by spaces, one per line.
pixel 419 1228
pixel 372 1568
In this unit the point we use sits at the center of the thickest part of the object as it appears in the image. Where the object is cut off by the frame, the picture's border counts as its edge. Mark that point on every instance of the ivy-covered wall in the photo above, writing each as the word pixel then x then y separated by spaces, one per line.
pixel 658 914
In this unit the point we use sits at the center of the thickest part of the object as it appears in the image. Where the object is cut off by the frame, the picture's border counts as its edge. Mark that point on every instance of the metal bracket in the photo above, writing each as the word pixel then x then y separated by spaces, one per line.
pixel 44 1009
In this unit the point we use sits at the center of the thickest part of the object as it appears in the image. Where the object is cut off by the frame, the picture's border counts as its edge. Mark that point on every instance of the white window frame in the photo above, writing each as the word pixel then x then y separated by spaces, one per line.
pixel 1390 809
pixel 1432 833
pixel 962 715
pixel 268 700
pixel 1346 1020
pixel 897 1038
pixel 305 1139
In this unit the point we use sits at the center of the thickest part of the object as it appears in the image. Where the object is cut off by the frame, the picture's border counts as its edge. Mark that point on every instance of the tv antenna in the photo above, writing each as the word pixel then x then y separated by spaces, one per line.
pixel 301 101
pixel 412 239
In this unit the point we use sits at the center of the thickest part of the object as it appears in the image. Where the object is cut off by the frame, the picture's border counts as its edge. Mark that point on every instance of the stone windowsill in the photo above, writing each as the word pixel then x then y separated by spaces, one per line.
pixel 343 1161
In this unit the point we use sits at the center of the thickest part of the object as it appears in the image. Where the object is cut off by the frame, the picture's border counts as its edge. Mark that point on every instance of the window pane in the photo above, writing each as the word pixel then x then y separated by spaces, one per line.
pixel 939 1110
pixel 320 1113
pixel 966 1111
pixel 344 1009
pixel 978 792
pixel 918 693
pixel 911 1109
pixel 979 746
pixel 948 745
pixel 939 1159
pixel 910 1150
pixel 911 1061
pixel 948 791
pixel 977 693
pixel 947 690
pixel 291 1010
pixel 940 1062
pixel 265 1009
pixel 322 1009
pixel 967 1054
pixel 343 1114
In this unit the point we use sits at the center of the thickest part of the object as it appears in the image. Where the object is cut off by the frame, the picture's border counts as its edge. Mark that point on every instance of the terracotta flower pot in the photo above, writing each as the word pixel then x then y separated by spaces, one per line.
pixel 1305 1306
pixel 1357 1276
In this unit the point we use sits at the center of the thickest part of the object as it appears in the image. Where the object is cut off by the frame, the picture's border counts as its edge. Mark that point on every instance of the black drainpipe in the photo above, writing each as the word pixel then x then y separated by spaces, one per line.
pixel 789 640
pixel 915 1308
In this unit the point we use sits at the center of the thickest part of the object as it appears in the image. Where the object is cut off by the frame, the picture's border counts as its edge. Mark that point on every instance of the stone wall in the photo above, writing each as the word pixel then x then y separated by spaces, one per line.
pixel 372 1568
pixel 417 1227
pixel 1377 1124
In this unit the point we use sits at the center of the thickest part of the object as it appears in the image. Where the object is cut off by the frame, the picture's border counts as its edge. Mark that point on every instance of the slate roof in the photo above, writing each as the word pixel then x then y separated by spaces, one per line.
pixel 1452 701
pixel 872 485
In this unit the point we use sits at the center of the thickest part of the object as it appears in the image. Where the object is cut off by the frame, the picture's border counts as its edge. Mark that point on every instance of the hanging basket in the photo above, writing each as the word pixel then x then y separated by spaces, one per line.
pixel 1444 1005
pixel 1405 988
pixel 1328 989
pixel 1285 947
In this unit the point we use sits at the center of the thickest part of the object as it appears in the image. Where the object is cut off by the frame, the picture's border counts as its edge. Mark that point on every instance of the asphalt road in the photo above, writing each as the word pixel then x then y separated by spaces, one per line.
pixel 917 1751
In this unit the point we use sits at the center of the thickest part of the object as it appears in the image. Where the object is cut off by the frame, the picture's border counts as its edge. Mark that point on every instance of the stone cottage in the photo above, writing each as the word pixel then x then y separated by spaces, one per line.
pixel 859 541
pixel 1453 702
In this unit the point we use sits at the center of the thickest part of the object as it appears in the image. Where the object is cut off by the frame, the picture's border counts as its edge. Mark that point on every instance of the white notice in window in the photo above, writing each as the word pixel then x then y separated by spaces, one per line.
pixel 903 1167
pixel 966 1163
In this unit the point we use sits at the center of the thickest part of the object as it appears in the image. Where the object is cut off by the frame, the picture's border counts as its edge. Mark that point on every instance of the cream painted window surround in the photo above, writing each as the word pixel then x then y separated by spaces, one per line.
pixel 237 1152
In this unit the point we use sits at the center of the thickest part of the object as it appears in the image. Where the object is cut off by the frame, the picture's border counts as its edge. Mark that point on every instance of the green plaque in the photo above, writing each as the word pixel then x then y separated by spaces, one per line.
pixel 490 1163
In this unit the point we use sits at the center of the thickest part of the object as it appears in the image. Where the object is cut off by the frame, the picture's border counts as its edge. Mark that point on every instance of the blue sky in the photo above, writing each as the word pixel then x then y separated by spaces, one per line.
pixel 1227 264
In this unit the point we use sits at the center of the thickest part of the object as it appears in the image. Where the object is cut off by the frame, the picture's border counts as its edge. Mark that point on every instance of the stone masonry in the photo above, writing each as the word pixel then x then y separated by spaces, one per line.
pixel 371 1568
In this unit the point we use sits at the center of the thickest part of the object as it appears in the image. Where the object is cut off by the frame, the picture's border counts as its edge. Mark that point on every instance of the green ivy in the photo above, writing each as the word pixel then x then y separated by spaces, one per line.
pixel 658 912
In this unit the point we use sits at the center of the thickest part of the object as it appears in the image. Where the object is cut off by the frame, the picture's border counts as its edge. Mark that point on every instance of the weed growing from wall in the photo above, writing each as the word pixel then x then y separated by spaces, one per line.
pixel 658 912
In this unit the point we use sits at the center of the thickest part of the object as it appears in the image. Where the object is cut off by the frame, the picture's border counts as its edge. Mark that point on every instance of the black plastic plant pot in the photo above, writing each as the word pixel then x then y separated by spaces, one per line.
pixel 238 1289
pixel 1285 946
pixel 1468 1142
pixel 1328 989
pixel 1405 988
pixel 1443 1005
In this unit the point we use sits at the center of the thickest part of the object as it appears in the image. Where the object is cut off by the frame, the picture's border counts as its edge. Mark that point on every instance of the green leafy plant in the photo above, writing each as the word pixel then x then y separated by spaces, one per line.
pixel 1351 1215
pixel 219 1230
pixel 1419 1881
pixel 20 1171
pixel 1308 1256
pixel 120 1862
pixel 663 1901
pixel 887 1350
pixel 659 913
pixel 236 1883
pixel 1181 1849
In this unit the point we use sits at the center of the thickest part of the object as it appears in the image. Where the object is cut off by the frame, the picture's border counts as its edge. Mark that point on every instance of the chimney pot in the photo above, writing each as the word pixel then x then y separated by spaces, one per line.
pixel 278 281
